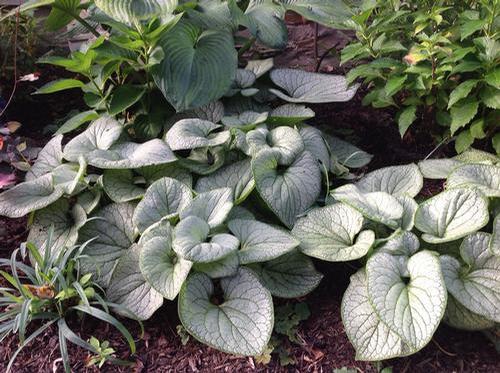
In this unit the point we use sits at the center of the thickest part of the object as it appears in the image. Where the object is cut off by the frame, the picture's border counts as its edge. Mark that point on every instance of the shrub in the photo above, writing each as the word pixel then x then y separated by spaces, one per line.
pixel 437 62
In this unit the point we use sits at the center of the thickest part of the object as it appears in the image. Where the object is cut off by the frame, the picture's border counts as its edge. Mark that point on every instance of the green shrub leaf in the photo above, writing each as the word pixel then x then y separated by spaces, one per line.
pixel 463 113
pixel 461 91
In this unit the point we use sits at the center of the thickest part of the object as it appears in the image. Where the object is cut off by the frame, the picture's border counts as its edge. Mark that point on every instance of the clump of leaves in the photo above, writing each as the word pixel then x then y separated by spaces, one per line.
pixel 46 294
pixel 428 262
pixel 434 61
pixel 103 353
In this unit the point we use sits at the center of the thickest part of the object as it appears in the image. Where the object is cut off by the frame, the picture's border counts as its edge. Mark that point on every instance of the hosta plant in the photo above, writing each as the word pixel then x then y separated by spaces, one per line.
pixel 151 59
pixel 437 260
pixel 47 293
pixel 435 62
pixel 201 214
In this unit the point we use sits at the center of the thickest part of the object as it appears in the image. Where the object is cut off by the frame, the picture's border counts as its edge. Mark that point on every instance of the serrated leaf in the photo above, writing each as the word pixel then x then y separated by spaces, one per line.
pixel 395 180
pixel 120 187
pixel 298 184
pixel 463 141
pixel 405 119
pixel 200 67
pixel 259 241
pixel 59 85
pixel 413 310
pixel 29 196
pixel 129 288
pixel 482 176
pixel 241 325
pixel 329 233
pixel 237 176
pixel 306 87
pixel 164 199
pixel 378 206
pixel 371 337
pixel 291 275
pixel 192 242
pixel 461 91
pixel 395 84
pixel 212 207
pixel 476 282
pixel 463 113
pixel 161 267
pixel 491 97
pixel 451 215
pixel 493 78
pixel 112 233
pixel 195 133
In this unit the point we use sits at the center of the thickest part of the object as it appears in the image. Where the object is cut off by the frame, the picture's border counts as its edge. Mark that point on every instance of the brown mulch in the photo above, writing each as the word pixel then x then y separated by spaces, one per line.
pixel 324 345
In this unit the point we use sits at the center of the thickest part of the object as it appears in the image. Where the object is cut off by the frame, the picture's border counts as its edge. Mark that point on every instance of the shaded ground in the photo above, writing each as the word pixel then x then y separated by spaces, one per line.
pixel 324 343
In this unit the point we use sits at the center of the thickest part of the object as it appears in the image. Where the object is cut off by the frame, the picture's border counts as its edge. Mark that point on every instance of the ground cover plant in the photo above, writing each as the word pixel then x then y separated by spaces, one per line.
pixel 437 61
pixel 198 179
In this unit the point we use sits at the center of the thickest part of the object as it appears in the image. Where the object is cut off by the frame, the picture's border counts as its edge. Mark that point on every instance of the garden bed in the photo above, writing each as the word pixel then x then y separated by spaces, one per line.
pixel 322 342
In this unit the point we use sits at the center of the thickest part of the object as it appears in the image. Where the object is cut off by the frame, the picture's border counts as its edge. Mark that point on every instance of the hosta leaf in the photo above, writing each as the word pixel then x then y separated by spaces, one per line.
pixel 371 337
pixel 29 196
pixel 476 283
pixel 120 187
pixel 191 241
pixel 378 206
pixel 213 206
pixel 395 180
pixel 306 87
pixel 161 267
pixel 461 317
pixel 129 288
pixel 297 185
pixel 329 233
pixel 200 67
pixel 331 13
pixel 264 19
pixel 225 267
pixel 315 144
pixel 438 168
pixel 136 10
pixel 49 158
pixel 347 154
pixel 112 232
pixel 195 133
pixel 451 215
pixel 237 176
pixel 291 275
pixel 63 219
pixel 241 325
pixel 289 115
pixel 411 309
pixel 495 237
pixel 285 140
pixel 260 242
pixel 164 199
pixel 484 177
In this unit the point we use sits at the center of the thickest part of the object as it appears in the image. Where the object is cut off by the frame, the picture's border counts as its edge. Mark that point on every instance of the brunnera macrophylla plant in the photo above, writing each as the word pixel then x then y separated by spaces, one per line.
pixel 423 263
pixel 201 214
pixel 433 60
pixel 151 59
